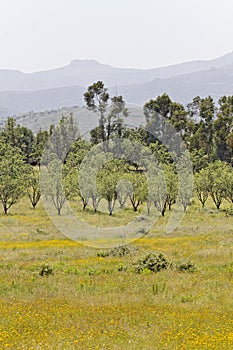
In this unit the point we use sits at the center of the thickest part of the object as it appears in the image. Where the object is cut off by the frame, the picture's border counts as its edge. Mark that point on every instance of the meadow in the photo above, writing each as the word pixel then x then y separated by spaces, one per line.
pixel 94 300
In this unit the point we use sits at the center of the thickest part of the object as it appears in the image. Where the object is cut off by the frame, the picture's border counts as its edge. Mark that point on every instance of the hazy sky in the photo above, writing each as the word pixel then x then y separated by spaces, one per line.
pixel 42 34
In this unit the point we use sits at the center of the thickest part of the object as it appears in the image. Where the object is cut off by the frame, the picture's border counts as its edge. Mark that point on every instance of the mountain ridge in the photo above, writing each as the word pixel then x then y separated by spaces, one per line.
pixel 84 72
pixel 64 87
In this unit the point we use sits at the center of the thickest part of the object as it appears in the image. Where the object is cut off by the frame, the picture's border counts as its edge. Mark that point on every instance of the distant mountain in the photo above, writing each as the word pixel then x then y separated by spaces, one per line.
pixel 64 87
pixel 16 102
pixel 214 81
pixel 85 72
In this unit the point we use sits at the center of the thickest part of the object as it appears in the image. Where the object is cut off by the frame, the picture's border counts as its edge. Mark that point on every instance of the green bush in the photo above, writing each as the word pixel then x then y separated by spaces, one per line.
pixel 229 211
pixel 186 267
pixel 46 270
pixel 116 252
pixel 152 262
pixel 103 254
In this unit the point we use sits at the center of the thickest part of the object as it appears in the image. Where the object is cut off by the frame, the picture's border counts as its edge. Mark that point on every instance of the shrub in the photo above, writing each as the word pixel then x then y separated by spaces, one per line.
pixel 116 252
pixel 152 262
pixel 121 268
pixel 188 267
pixel 46 270
pixel 103 254
pixel 229 211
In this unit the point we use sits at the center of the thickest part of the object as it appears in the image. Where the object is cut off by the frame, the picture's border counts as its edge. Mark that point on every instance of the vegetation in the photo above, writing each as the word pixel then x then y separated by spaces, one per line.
pixel 90 300
pixel 170 290
pixel 204 128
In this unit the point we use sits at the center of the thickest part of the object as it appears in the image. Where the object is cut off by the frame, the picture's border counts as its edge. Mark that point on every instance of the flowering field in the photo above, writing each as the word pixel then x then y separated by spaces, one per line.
pixel 58 294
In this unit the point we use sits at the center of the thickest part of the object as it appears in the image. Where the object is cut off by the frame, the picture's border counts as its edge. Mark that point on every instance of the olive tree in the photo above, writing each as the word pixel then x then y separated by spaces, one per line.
pixel 202 186
pixel 217 179
pixel 33 186
pixel 12 176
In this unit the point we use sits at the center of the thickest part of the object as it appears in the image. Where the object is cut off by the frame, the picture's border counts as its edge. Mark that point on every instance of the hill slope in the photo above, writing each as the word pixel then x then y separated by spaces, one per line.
pixel 52 89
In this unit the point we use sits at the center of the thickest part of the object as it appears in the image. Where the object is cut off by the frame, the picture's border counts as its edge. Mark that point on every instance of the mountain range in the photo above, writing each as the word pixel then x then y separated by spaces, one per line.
pixel 64 87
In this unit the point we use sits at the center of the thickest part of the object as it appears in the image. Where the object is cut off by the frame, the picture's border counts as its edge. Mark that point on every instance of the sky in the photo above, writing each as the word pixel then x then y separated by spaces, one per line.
pixel 43 34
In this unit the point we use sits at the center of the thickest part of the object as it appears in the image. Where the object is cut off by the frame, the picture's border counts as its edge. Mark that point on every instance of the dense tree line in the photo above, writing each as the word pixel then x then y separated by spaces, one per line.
pixel 205 127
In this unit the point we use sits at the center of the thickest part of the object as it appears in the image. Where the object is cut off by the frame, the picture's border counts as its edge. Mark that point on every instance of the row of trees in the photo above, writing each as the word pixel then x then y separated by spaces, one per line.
pixel 117 180
pixel 205 129
pixel 215 181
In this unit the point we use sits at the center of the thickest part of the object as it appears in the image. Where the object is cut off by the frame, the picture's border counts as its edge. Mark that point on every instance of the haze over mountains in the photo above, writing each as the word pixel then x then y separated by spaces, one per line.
pixel 64 87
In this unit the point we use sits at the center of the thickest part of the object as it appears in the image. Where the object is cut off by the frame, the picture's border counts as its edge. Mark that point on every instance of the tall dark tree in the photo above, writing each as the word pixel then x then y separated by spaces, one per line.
pixel 96 98
pixel 115 118
pixel 223 127
pixel 18 136
pixel 203 113
pixel 39 144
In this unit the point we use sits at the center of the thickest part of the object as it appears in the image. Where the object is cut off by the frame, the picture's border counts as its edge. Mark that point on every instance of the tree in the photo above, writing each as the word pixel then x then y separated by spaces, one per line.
pixel 223 128
pixel 217 181
pixel 171 184
pixel 178 118
pixel 96 98
pixel 157 191
pixel 77 154
pixel 107 179
pixel 115 118
pixel 78 151
pixel 38 147
pixel 106 185
pixel 202 186
pixel 203 110
pixel 161 152
pixel 185 177
pixel 137 189
pixel 62 138
pixel 57 183
pixel 124 188
pixel 33 186
pixel 185 190
pixel 229 184
pixel 12 176
pixel 18 136
pixel 199 159
pixel 88 188
pixel 163 188
pixel 157 112
pixel 161 105
pixel 112 122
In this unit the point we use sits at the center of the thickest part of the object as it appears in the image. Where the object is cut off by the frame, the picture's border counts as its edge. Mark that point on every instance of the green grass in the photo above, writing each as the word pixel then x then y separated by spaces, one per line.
pixel 92 302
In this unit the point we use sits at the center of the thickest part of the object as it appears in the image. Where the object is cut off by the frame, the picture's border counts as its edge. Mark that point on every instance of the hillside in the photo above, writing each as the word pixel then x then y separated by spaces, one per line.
pixel 64 87
pixel 86 119
pixel 214 81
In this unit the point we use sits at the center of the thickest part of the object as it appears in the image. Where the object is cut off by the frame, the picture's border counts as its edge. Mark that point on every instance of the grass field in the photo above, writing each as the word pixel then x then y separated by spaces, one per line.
pixel 96 302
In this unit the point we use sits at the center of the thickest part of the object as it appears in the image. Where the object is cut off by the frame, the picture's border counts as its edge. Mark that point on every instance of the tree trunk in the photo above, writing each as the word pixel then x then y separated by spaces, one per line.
pixel 5 209
pixel 148 207
pixel 84 203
